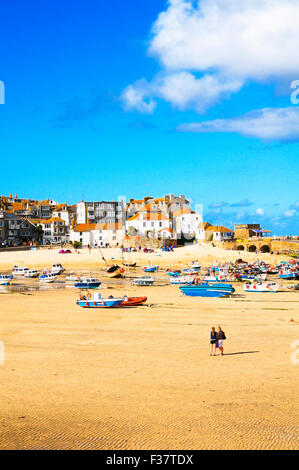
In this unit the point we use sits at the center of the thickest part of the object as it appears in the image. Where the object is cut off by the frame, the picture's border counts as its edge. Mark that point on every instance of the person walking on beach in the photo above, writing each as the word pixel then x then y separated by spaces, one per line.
pixel 220 335
pixel 213 340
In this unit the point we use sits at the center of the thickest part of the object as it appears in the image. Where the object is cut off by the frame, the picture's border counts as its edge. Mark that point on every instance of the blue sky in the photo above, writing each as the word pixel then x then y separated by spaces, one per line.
pixel 134 98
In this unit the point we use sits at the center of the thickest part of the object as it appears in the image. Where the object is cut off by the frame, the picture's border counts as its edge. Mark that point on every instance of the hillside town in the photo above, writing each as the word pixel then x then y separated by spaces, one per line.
pixel 168 220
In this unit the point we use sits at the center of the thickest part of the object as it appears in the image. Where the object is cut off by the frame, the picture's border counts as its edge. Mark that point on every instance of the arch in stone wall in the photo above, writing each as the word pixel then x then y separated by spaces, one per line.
pixel 265 249
pixel 240 248
pixel 252 249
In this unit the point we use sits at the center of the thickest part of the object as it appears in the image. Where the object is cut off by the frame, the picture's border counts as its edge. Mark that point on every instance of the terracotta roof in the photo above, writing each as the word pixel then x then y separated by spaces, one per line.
pixel 149 216
pixel 183 211
pixel 218 228
pixel 52 219
pixel 204 225
pixel 88 227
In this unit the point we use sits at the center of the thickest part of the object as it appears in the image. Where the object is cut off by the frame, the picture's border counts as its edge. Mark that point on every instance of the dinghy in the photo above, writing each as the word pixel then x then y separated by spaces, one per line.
pixel 132 301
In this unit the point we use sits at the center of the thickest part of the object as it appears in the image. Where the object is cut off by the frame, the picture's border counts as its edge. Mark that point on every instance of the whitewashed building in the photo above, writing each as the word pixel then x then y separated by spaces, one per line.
pixel 185 223
pixel 150 222
pixel 102 235
pixel 208 232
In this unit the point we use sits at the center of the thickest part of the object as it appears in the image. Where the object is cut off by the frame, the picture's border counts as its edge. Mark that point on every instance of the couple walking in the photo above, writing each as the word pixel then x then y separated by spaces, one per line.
pixel 216 340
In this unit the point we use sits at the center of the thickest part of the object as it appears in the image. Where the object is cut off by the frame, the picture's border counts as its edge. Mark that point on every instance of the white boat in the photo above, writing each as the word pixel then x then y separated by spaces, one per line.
pixel 19 270
pixel 57 268
pixel 217 278
pixel 73 278
pixel 144 281
pixel 182 280
pixel 32 273
pixel 195 265
pixel 261 287
pixel 47 277
pixel 5 279
pixel 87 283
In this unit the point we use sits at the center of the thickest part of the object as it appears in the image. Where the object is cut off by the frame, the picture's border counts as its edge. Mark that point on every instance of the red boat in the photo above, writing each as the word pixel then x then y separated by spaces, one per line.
pixel 131 301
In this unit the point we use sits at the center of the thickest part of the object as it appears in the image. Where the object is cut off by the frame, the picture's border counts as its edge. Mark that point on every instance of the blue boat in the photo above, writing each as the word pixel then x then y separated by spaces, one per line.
pixel 150 269
pixel 88 283
pixel 173 273
pixel 5 279
pixel 104 303
pixel 206 290
pixel 286 273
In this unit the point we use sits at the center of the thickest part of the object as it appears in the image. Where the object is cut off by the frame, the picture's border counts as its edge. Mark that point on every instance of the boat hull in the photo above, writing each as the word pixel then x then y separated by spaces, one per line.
pixel 86 285
pixel 117 273
pixel 207 291
pixel 132 301
pixel 105 303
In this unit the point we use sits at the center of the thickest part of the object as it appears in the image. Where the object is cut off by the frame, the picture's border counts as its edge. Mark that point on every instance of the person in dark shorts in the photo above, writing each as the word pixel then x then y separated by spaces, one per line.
pixel 213 341
pixel 220 338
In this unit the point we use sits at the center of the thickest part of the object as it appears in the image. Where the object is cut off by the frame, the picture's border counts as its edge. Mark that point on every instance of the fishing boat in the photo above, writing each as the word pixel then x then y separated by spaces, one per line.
pixel 272 271
pixel 19 270
pixel 73 278
pixel 129 265
pixel 150 268
pixel 173 272
pixel 86 301
pixel 5 279
pixel 88 283
pixel 195 265
pixel 132 301
pixel 214 278
pixel 32 273
pixel 208 290
pixel 288 273
pixel 252 277
pixel 57 268
pixel 144 281
pixel 115 271
pixel 190 272
pixel 47 277
pixel 261 287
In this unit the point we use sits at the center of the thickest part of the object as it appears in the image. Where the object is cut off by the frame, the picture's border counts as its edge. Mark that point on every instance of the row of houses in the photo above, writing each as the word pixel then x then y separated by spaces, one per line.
pixel 108 223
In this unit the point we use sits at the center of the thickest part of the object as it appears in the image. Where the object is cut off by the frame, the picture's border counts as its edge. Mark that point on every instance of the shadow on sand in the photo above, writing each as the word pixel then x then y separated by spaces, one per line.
pixel 241 352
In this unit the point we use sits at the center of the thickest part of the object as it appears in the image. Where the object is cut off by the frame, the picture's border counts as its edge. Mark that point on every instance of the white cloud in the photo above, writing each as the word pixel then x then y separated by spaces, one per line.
pixel 260 211
pixel 246 39
pixel 290 213
pixel 266 124
pixel 137 97
pixel 226 42
pixel 182 90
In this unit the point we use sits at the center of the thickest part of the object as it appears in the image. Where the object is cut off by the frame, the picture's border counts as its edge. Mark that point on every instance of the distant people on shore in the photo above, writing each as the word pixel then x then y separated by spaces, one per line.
pixel 216 340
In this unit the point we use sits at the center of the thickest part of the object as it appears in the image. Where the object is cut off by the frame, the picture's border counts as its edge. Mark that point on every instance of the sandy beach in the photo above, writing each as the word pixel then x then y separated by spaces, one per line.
pixel 142 378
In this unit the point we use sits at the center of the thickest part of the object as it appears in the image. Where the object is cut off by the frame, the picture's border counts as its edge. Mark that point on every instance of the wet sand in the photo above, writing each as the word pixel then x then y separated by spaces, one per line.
pixel 142 378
